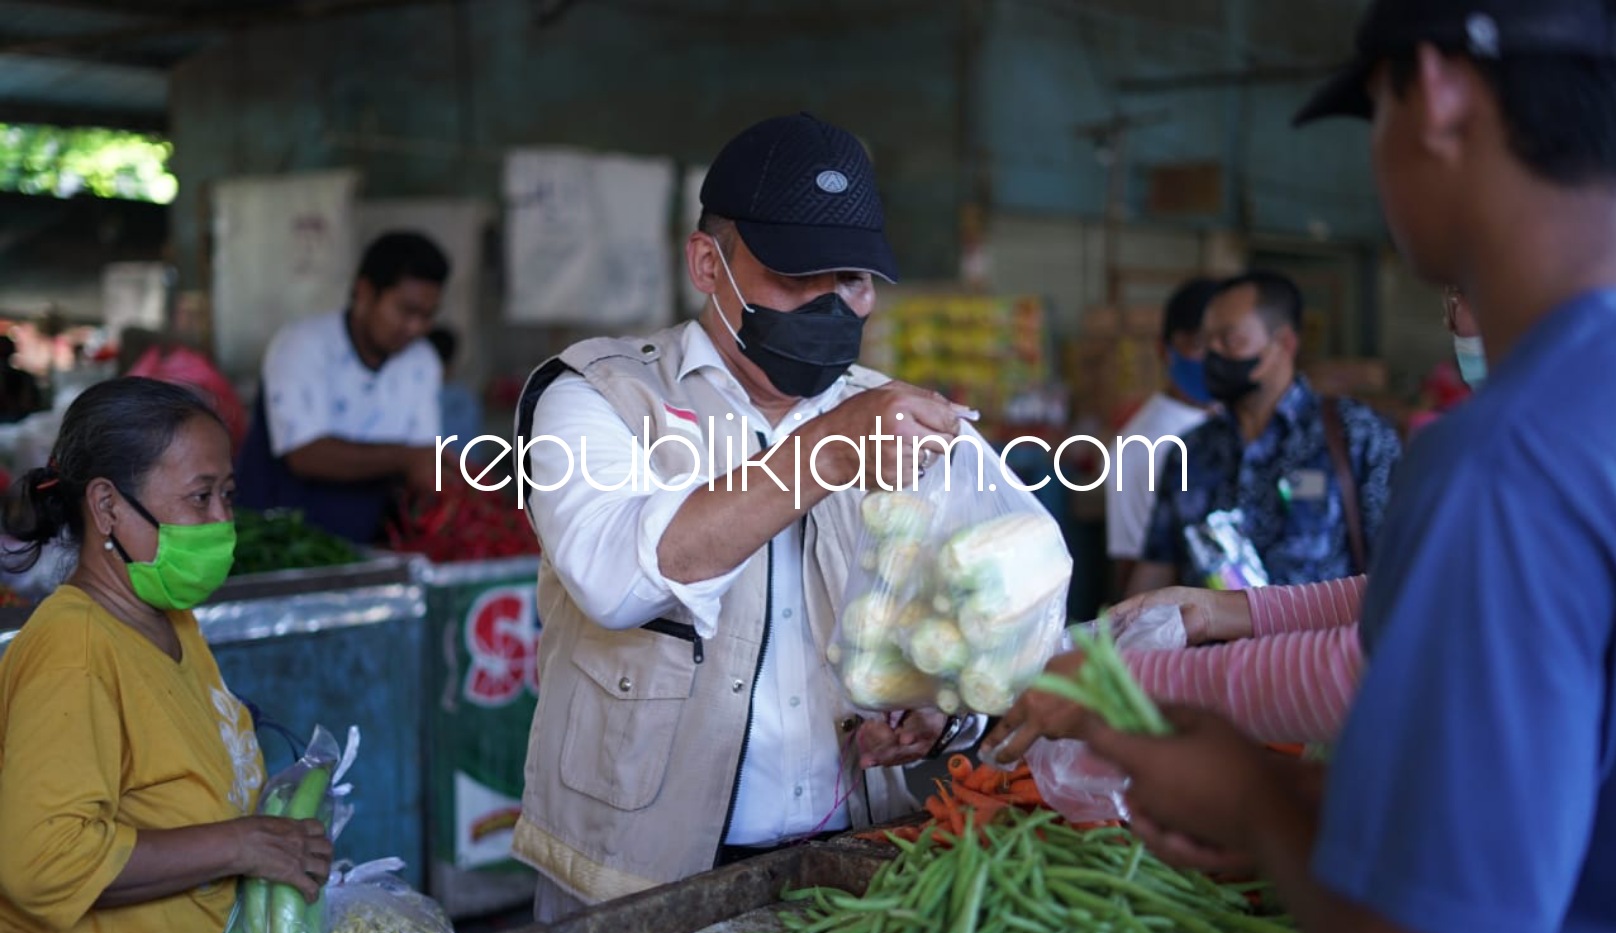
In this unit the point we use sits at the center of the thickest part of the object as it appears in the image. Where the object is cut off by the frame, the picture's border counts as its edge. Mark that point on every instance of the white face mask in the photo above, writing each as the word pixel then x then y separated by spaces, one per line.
pixel 1472 358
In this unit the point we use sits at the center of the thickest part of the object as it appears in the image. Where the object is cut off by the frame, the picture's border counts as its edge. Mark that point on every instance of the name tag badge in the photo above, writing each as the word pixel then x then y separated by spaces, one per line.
pixel 1308 485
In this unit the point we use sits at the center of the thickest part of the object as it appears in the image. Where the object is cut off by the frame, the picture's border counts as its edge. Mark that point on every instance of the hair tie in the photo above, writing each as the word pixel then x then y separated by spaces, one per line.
pixel 51 478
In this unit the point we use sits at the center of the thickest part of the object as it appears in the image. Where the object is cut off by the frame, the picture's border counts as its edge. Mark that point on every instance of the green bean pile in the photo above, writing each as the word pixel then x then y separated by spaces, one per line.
pixel 1028 873
pixel 1104 685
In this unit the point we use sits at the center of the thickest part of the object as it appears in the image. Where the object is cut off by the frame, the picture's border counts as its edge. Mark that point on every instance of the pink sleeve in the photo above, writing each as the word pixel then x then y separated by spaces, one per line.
pixel 1291 687
pixel 1277 609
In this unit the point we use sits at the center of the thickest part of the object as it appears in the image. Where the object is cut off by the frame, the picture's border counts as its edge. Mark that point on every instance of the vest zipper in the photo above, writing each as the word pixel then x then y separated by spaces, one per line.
pixel 751 700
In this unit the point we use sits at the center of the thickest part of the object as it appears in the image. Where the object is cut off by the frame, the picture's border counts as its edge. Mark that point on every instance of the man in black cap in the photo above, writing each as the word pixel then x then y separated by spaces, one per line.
pixel 688 715
pixel 1473 787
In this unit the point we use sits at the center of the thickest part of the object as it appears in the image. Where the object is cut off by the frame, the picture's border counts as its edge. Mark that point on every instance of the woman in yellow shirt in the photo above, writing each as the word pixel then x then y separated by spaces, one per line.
pixel 127 769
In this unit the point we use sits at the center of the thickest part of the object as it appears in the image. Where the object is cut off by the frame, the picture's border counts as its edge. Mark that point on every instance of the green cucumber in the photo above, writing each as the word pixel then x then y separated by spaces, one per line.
pixel 310 794
pixel 255 891
pixel 316 915
pixel 288 912
pixel 286 909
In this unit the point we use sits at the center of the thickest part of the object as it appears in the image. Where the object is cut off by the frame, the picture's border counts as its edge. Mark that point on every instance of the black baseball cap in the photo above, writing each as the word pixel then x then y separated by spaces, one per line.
pixel 802 195
pixel 1482 29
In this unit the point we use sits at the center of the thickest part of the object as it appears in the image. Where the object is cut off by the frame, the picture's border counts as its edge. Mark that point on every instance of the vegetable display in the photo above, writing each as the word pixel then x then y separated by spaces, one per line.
pixel 1029 873
pixel 982 788
pixel 955 602
pixel 461 523
pixel 281 540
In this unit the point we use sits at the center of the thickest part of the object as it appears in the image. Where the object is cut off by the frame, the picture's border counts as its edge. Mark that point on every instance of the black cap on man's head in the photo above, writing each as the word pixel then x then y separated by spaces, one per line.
pixel 803 198
pixel 1482 29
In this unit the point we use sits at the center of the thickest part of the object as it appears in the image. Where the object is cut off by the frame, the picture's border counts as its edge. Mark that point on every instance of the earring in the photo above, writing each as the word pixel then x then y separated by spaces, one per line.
pixel 106 545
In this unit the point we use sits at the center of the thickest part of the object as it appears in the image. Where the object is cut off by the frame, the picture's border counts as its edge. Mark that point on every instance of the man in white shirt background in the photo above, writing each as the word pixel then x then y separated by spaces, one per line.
pixel 1174 411
pixel 689 716
pixel 348 407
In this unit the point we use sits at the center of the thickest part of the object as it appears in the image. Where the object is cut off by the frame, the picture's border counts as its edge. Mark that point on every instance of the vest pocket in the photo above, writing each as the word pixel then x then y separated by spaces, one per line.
pixel 623 714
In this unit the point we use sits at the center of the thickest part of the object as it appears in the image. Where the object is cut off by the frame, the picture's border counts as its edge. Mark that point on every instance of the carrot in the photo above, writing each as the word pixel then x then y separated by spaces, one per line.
pixel 983 779
pixel 959 768
pixel 937 807
pixel 986 807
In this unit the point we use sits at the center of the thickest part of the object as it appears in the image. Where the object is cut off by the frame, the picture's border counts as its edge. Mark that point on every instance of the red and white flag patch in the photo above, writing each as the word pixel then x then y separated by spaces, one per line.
pixel 681 419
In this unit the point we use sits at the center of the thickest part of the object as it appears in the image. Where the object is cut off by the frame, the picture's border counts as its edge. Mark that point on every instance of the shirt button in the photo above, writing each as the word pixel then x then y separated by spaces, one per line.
pixel 796 701
pixel 786 613
pixel 625 685
pixel 737 686
pixel 798 791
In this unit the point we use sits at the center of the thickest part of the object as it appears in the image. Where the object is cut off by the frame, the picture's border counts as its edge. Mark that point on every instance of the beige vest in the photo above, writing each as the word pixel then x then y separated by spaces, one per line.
pixel 636 743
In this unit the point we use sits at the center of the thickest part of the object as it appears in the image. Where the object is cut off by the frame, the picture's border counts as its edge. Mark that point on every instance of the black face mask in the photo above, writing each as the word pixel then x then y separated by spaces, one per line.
pixel 803 352
pixel 1230 380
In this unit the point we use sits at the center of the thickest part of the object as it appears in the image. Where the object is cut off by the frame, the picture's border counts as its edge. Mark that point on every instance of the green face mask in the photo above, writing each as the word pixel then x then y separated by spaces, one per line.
pixel 191 562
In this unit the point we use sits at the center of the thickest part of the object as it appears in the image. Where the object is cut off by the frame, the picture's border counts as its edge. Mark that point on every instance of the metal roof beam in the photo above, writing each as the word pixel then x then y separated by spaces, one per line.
pixel 139 8
pixel 1213 79
pixel 33 111
pixel 126 58
pixel 207 20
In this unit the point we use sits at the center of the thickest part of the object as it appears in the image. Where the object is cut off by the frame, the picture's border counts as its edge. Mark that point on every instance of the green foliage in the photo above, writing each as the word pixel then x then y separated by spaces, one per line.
pixel 65 161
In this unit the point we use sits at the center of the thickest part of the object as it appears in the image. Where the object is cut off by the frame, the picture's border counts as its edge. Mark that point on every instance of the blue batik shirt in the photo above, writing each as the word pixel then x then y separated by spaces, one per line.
pixel 1284 484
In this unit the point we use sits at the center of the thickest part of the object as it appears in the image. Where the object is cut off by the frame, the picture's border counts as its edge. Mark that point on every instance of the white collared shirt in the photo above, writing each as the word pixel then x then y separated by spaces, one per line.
pixel 790 779
pixel 316 386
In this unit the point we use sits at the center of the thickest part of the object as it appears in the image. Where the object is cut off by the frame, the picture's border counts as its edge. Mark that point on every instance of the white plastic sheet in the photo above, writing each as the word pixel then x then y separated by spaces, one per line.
pixel 283 249
pixel 587 239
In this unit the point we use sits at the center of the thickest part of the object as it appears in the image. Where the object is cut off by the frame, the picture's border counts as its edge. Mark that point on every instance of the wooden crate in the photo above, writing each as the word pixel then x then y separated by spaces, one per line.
pixel 745 895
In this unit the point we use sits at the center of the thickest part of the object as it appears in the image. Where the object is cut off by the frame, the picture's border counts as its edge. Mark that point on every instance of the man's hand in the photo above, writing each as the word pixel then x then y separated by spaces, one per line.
pixel 1209 615
pixel 1037 715
pixel 924 413
pixel 1206 783
pixel 881 745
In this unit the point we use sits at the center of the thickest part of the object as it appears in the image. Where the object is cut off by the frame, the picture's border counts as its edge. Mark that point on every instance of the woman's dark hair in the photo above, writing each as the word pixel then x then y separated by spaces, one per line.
pixel 116 430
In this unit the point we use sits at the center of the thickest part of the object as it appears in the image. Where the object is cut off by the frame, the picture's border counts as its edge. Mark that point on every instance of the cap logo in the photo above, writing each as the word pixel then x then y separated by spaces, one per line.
pixel 831 181
pixel 1482 31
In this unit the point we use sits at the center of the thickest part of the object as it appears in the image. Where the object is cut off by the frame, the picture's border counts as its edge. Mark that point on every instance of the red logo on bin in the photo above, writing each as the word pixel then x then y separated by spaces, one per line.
pixel 502 636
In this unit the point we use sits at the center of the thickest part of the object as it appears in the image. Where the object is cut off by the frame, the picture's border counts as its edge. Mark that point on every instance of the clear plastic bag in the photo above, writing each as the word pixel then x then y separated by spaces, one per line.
pixel 368 898
pixel 1222 554
pixel 958 597
pixel 309 788
pixel 1076 784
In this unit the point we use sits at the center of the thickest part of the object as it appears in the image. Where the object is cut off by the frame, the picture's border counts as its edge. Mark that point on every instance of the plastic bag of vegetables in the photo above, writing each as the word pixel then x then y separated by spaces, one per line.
pixel 957 598
pixel 368 898
pixel 309 789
